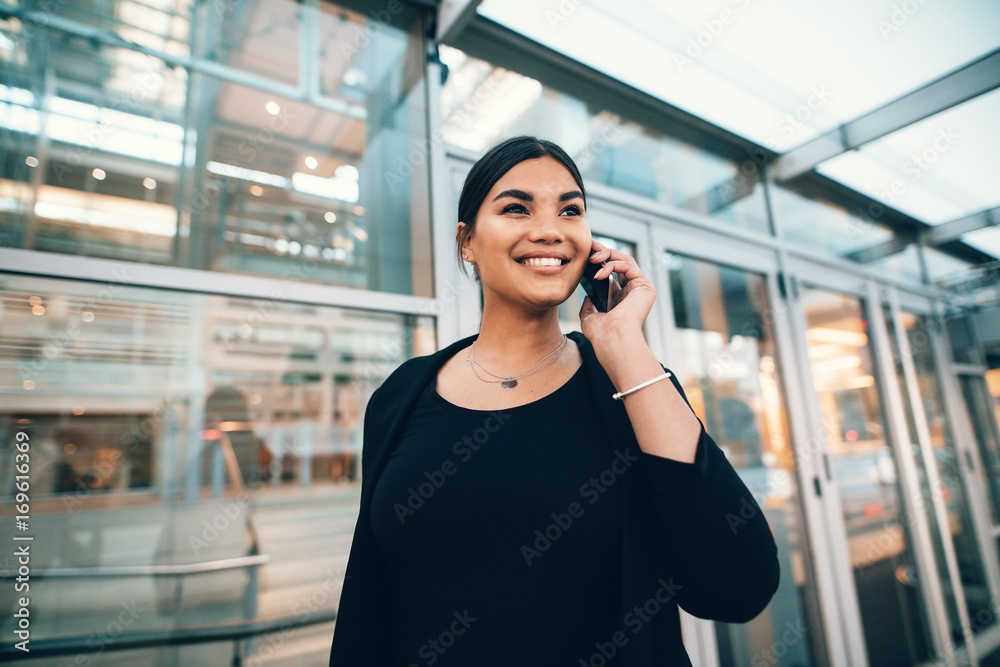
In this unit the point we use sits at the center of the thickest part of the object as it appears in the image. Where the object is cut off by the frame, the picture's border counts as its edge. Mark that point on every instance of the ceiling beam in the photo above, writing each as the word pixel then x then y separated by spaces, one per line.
pixel 879 250
pixel 453 16
pixel 950 231
pixel 965 83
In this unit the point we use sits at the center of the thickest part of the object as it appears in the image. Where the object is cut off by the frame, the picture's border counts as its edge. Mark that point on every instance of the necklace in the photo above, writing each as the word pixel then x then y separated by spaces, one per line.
pixel 510 381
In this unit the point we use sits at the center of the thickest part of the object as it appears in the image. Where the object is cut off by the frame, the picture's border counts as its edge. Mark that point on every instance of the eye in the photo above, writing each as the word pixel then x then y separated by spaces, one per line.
pixel 571 210
pixel 514 208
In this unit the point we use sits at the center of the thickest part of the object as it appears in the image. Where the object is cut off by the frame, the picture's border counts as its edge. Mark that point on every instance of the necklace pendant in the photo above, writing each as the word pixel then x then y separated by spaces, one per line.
pixel 509 383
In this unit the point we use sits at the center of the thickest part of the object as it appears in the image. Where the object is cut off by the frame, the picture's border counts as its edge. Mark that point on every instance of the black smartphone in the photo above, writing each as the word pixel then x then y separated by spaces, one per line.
pixel 599 291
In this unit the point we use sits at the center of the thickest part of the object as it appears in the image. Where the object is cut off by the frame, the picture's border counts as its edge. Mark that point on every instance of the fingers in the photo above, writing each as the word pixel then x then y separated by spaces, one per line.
pixel 627 269
pixel 587 308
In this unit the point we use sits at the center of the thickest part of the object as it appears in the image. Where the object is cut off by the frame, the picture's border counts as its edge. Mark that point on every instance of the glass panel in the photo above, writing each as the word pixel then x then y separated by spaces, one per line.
pixel 864 468
pixel 260 38
pixel 156 24
pixel 824 227
pixel 125 393
pixel 944 268
pixel 727 364
pixel 728 61
pixel 483 104
pixel 903 266
pixel 952 491
pixel 111 153
pixel 987 240
pixel 105 372
pixel 930 170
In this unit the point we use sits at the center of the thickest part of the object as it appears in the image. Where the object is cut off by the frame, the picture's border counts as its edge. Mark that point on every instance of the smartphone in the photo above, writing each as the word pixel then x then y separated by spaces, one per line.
pixel 599 291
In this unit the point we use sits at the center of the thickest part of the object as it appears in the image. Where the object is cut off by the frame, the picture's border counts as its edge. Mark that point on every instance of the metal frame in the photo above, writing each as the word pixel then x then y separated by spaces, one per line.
pixel 832 638
pixel 930 469
pixel 949 231
pixel 73 267
pixel 899 437
pixel 306 91
pixel 959 86
pixel 453 16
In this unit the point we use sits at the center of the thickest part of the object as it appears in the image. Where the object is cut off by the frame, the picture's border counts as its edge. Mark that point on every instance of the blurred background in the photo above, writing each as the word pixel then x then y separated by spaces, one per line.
pixel 224 223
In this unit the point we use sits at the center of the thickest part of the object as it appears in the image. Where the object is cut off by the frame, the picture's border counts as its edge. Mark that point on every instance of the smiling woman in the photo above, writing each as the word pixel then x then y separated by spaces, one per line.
pixel 595 504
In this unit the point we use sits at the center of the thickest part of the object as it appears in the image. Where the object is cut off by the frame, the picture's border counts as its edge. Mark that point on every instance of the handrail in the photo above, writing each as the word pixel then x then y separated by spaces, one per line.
pixel 191 634
pixel 146 570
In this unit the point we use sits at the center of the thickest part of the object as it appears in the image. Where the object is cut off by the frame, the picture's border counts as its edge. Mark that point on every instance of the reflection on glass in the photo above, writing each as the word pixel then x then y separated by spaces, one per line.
pixel 134 399
pixel 825 227
pixel 878 532
pixel 727 366
pixel 482 105
pixel 104 376
pixel 108 152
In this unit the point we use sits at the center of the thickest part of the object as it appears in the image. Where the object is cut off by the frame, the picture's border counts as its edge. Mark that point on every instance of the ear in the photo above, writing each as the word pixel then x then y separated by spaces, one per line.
pixel 467 253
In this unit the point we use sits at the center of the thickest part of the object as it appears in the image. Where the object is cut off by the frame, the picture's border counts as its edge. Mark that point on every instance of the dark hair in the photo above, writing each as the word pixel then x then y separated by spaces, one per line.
pixel 491 167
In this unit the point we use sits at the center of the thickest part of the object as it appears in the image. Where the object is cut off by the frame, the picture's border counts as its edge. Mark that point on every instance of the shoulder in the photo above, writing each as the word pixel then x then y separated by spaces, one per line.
pixel 412 371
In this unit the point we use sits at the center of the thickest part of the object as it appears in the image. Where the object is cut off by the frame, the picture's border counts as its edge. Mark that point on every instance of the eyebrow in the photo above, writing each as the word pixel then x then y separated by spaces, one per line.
pixel 527 196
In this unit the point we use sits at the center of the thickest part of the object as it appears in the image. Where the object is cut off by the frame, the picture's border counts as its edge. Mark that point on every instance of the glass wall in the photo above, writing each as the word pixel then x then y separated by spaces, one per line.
pixel 483 104
pixel 726 362
pixel 114 380
pixel 140 404
pixel 250 137
pixel 823 226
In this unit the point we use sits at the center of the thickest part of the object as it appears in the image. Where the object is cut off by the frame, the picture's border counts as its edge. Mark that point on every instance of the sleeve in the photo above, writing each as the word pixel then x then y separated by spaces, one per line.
pixel 713 535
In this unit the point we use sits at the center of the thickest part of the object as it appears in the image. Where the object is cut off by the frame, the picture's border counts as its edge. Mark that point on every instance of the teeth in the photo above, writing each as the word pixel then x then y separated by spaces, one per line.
pixel 541 261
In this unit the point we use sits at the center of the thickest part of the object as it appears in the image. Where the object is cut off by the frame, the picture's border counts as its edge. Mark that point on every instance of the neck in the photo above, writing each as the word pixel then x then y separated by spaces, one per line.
pixel 513 339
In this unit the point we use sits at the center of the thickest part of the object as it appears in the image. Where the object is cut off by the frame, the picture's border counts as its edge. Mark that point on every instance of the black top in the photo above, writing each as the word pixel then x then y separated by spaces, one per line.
pixel 692 535
pixel 502 532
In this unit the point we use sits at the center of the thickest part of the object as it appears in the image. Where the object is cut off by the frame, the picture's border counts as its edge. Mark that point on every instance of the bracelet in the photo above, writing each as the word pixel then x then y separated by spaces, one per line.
pixel 622 394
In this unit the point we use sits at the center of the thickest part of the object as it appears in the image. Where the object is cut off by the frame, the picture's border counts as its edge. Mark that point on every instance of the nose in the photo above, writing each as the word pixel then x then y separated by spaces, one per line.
pixel 546 230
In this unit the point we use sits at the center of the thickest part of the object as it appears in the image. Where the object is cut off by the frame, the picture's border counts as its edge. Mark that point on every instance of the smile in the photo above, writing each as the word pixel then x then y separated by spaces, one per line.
pixel 543 261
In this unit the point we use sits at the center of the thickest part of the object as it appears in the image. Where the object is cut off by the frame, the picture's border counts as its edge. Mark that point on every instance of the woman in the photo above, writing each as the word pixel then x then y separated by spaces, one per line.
pixel 514 512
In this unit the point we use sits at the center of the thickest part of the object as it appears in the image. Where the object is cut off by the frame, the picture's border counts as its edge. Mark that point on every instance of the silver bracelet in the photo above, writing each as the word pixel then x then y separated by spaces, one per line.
pixel 622 394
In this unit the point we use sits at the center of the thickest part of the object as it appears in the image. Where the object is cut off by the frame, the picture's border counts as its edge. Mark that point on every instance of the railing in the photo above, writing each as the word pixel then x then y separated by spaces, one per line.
pixel 235 631
pixel 193 634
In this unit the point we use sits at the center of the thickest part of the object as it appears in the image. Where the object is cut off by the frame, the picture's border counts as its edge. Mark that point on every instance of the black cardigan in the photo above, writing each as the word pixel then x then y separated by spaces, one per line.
pixel 692 533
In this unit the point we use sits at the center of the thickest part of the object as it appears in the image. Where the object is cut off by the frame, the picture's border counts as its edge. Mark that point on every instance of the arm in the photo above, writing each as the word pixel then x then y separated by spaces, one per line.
pixel 710 531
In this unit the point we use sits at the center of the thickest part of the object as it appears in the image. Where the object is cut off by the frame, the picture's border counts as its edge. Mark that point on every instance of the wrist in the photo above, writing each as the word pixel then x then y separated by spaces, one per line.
pixel 627 360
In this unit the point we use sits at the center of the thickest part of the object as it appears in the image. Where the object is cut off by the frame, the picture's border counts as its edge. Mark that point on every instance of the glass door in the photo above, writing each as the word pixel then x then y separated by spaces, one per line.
pixel 945 491
pixel 723 352
pixel 878 530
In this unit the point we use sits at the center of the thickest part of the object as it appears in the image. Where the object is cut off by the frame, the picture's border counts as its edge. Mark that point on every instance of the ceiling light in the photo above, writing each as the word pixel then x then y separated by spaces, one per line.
pixel 149 183
pixel 272 107
pixel 99 174
pixel 330 217
pixel 256 190
pixel 311 162
pixel 31 161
